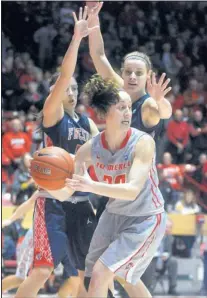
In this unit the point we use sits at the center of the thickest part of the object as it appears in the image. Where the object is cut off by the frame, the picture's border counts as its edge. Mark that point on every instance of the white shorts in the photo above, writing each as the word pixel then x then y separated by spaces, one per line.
pixel 25 255
pixel 126 245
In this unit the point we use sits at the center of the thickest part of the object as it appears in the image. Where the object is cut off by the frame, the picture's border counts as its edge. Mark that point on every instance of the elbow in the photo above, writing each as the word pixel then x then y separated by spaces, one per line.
pixel 94 53
pixel 167 114
pixel 134 192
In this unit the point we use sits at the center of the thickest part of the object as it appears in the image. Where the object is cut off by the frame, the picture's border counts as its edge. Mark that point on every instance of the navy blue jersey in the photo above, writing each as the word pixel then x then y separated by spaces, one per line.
pixel 137 123
pixel 69 134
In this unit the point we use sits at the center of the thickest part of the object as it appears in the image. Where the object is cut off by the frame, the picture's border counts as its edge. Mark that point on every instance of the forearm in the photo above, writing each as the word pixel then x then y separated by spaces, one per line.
pixel 24 208
pixel 96 44
pixel 53 109
pixel 70 59
pixel 123 191
pixel 164 108
pixel 101 63
pixel 62 194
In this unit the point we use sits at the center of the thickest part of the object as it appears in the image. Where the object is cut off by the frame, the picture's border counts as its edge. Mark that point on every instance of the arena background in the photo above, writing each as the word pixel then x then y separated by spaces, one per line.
pixel 35 37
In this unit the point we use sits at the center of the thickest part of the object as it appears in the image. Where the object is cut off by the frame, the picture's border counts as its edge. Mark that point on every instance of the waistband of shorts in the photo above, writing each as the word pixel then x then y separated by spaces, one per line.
pixel 77 199
pixel 73 199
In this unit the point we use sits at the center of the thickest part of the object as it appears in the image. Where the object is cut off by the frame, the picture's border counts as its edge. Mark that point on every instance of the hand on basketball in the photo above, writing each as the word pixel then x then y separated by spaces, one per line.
pixel 80 183
pixel 81 23
pixel 157 90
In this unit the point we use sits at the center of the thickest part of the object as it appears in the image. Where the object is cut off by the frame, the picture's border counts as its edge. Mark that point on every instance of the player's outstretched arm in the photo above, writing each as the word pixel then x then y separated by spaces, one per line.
pixel 53 108
pixel 21 210
pixel 157 106
pixel 96 47
pixel 144 153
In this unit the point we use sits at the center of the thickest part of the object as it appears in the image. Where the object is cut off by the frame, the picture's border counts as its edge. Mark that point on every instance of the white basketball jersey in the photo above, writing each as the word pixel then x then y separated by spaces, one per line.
pixel 114 168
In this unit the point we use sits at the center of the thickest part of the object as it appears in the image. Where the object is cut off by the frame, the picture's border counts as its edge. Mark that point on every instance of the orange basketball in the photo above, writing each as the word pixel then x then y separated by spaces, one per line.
pixel 50 167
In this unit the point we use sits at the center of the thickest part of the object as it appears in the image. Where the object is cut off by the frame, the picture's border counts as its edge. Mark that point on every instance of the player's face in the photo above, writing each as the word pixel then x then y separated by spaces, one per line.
pixel 119 116
pixel 134 75
pixel 71 98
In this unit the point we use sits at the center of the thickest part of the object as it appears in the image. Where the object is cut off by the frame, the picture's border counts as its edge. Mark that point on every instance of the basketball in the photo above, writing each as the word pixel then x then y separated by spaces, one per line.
pixel 50 167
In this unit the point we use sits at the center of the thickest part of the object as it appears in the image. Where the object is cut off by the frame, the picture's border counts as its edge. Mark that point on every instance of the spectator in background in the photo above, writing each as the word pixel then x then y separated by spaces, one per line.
pixel 171 173
pixel 31 97
pixel 154 56
pixel 23 185
pixel 192 96
pixel 6 43
pixel 43 85
pixel 202 75
pixel 5 163
pixel 25 56
pixel 27 76
pixel 178 137
pixel 171 65
pixel 30 124
pixel 185 72
pixel 198 174
pixel 44 37
pixel 66 16
pixel 198 134
pixel 60 43
pixel 11 235
pixel 10 85
pixel 178 99
pixel 18 66
pixel 188 204
pixel 16 143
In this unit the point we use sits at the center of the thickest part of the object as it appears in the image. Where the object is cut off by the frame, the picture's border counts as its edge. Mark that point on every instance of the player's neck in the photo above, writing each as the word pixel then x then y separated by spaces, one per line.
pixel 137 95
pixel 72 114
pixel 114 139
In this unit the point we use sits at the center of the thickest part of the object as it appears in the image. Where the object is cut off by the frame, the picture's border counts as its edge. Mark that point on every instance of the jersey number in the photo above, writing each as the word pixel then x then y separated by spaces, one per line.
pixel 117 180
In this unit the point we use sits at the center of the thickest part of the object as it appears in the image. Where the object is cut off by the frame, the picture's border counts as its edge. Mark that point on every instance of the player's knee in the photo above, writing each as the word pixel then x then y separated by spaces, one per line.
pixel 102 273
pixel 42 273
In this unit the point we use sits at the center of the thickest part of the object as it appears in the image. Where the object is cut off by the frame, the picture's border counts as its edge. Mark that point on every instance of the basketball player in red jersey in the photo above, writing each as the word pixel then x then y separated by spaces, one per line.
pixel 132 226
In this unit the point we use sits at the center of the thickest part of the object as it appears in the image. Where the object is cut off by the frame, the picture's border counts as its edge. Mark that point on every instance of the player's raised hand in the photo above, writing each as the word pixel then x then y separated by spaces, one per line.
pixel 81 23
pixel 157 90
pixel 94 7
pixel 80 183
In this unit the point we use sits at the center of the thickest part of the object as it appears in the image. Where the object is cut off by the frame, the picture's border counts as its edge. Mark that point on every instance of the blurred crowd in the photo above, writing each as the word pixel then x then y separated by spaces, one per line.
pixel 174 35
pixel 35 38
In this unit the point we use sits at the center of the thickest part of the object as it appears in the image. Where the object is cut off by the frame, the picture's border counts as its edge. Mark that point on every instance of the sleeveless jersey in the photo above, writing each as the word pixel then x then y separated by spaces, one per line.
pixel 69 135
pixel 137 123
pixel 115 168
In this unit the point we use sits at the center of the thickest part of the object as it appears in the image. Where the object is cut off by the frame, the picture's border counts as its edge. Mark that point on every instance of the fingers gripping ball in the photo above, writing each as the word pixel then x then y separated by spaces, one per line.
pixel 51 166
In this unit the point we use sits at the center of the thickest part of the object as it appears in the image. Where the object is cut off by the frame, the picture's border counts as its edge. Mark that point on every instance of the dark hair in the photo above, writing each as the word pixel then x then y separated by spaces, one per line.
pixel 53 79
pixel 102 93
pixel 138 56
